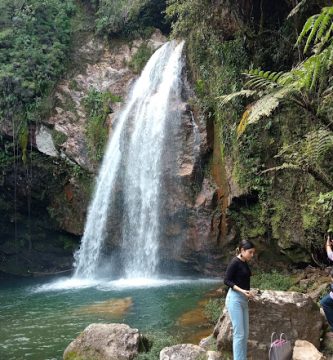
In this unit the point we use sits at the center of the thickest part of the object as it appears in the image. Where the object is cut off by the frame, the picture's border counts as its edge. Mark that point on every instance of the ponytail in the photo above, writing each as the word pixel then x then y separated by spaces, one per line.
pixel 244 244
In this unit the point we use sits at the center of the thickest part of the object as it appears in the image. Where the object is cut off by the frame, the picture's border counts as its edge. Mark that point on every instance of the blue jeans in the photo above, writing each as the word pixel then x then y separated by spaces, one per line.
pixel 327 304
pixel 238 309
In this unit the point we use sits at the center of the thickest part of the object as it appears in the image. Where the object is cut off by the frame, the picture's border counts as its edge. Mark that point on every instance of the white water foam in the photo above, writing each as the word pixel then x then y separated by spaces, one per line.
pixel 141 127
pixel 116 285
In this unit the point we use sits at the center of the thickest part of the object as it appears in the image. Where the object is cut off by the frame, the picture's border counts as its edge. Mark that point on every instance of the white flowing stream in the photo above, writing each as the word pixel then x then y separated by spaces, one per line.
pixel 141 126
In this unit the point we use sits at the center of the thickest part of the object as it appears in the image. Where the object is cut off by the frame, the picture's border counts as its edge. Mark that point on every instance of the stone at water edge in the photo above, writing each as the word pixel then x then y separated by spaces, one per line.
pixel 304 350
pixel 294 314
pixel 104 342
pixel 188 352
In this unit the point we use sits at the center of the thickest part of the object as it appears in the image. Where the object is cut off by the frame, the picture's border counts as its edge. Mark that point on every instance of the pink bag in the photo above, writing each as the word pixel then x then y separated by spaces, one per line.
pixel 280 348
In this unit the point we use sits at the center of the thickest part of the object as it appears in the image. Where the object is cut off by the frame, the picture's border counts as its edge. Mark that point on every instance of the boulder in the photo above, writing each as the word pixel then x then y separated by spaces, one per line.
pixel 45 142
pixel 214 355
pixel 304 350
pixel 182 352
pixel 292 313
pixel 104 342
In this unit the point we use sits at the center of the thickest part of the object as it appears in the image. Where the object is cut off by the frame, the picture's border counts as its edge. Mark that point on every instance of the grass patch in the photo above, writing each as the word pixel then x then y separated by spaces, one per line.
pixel 156 342
pixel 271 281
pixel 98 105
pixel 213 309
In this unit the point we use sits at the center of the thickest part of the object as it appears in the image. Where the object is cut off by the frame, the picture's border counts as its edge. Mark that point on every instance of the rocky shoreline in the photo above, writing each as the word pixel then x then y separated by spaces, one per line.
pixel 294 313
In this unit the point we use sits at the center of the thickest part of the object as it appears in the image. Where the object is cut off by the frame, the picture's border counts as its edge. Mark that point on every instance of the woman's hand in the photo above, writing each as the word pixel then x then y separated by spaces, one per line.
pixel 249 294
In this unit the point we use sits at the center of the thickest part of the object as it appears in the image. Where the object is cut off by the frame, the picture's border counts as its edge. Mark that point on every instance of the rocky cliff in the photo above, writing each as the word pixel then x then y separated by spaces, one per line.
pixel 47 199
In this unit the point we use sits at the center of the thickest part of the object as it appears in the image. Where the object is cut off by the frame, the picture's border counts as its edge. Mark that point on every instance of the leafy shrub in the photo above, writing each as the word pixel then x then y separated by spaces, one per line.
pixel 140 58
pixel 271 281
pixel 213 309
pixel 130 18
pixel 156 343
pixel 98 106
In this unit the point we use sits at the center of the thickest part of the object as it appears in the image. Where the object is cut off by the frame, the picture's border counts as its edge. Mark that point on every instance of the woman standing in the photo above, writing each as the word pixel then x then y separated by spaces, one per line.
pixel 237 278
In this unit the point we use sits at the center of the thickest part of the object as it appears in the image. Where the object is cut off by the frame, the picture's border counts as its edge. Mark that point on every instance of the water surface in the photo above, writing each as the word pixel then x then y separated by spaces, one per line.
pixel 39 319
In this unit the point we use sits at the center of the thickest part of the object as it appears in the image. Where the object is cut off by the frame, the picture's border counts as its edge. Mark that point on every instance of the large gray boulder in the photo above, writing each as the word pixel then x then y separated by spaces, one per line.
pixel 104 342
pixel 292 313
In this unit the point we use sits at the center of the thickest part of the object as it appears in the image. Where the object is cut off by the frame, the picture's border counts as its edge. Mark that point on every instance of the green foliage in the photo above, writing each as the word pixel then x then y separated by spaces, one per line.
pixel 140 58
pixel 186 15
pixel 250 221
pixel 325 200
pixel 157 341
pixel 295 100
pixel 38 36
pixel 304 85
pixel 271 281
pixel 129 18
pixel 309 153
pixel 213 309
pixel 98 106
pixel 318 29
pixel 34 41
pixel 58 137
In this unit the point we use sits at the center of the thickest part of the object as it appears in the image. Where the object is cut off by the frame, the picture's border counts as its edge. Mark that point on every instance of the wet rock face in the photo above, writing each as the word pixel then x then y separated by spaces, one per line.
pixel 189 217
pixel 104 68
pixel 105 342
pixel 292 313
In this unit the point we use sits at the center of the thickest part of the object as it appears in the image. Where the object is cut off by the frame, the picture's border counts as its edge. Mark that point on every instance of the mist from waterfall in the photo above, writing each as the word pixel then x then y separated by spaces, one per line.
pixel 141 127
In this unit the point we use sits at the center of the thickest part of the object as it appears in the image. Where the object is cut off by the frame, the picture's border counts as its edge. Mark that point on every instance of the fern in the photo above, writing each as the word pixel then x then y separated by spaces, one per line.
pixel 227 98
pixel 318 28
pixel 317 144
pixel 310 151
pixel 307 155
pixel 314 71
pixel 261 80
pixel 306 85
pixel 296 9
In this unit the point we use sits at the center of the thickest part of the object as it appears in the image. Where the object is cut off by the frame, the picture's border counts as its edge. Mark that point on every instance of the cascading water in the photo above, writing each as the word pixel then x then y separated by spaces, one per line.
pixel 141 126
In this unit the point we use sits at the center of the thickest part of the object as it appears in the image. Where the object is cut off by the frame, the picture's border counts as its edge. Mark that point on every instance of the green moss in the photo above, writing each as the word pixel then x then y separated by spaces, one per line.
pixel 277 219
pixel 72 355
pixel 251 220
pixel 310 220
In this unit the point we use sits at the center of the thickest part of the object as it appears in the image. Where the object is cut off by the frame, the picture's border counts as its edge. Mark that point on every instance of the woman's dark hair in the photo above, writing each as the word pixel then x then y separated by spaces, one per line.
pixel 244 244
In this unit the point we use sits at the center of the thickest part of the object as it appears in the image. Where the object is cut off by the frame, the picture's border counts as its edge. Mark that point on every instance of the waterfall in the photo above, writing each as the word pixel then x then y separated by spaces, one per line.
pixel 134 154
